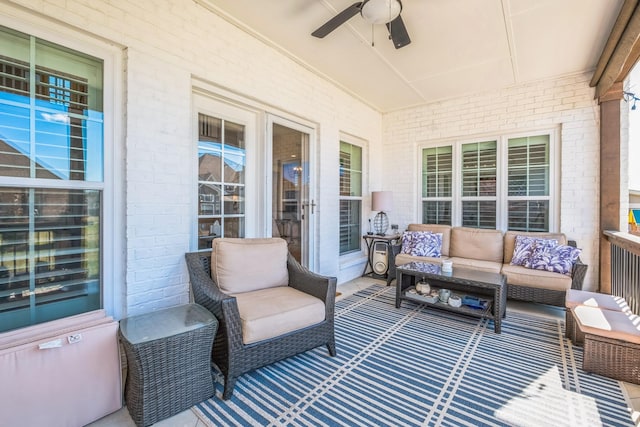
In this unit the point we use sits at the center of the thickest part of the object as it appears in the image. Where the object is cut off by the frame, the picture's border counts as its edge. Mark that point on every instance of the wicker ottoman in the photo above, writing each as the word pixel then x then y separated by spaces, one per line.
pixel 577 297
pixel 611 342
pixel 169 361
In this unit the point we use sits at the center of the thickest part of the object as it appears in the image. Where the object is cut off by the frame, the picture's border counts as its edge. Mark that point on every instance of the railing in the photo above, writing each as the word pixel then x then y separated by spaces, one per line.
pixel 625 267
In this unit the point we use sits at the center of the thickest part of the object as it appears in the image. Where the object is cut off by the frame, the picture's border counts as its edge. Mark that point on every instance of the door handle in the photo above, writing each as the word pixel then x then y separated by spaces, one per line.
pixel 313 205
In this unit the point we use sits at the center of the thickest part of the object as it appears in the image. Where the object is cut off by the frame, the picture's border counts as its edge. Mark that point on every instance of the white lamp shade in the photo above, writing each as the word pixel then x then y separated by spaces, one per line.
pixel 381 201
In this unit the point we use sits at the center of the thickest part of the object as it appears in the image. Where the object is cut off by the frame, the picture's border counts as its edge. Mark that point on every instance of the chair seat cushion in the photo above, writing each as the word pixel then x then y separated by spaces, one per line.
pixel 406 259
pixel 576 297
pixel 518 275
pixel 477 264
pixel 271 312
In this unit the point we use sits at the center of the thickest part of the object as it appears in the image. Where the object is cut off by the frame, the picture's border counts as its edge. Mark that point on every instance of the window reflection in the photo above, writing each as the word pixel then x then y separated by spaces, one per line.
pixel 51 128
pixel 221 178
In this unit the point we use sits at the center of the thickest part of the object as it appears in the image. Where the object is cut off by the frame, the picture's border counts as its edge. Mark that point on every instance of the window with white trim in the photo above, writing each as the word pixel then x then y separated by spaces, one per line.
pixel 437 182
pixel 221 179
pixel 51 181
pixel 528 186
pixel 479 185
pixel 350 197
pixel 461 183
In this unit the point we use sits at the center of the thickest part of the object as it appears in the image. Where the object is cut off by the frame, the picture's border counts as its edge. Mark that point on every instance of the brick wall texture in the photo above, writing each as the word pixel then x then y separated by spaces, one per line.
pixel 168 48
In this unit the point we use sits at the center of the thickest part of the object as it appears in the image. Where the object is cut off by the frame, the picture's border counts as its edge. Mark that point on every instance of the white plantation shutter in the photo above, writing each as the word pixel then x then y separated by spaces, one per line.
pixel 479 180
pixel 51 143
pixel 528 184
pixel 503 183
pixel 350 197
pixel 437 181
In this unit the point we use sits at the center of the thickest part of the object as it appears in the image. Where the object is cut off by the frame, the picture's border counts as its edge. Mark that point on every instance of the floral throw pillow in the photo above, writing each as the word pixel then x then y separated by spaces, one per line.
pixel 524 247
pixel 422 243
pixel 558 259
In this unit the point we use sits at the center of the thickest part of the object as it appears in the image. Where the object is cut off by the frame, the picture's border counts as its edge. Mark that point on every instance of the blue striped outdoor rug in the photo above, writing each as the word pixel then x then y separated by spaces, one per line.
pixel 418 367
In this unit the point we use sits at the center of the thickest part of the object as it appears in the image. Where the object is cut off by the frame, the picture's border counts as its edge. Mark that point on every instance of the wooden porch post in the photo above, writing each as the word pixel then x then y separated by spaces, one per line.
pixel 610 128
pixel 620 54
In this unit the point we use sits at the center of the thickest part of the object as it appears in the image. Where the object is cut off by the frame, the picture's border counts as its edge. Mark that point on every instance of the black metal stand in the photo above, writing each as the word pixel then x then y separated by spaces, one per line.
pixel 370 240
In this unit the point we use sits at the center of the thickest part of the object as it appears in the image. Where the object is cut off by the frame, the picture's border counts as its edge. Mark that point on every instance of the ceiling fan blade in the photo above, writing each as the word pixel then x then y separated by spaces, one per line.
pixel 337 20
pixel 398 33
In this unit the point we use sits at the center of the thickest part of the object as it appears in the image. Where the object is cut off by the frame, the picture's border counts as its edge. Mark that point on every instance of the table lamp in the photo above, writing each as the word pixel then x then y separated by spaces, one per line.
pixel 381 201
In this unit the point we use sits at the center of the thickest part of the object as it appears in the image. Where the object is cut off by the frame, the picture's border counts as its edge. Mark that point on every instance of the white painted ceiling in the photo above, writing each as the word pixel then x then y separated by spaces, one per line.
pixel 458 47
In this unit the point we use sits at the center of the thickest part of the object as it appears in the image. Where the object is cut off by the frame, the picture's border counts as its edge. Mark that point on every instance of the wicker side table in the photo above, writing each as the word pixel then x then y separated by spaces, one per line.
pixel 169 361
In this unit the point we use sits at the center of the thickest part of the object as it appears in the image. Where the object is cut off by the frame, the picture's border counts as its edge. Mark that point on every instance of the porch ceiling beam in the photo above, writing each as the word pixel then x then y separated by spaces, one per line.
pixel 622 50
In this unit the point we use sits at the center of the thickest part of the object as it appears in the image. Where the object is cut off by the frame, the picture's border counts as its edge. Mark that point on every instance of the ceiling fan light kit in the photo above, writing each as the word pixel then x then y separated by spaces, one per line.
pixel 374 12
pixel 380 11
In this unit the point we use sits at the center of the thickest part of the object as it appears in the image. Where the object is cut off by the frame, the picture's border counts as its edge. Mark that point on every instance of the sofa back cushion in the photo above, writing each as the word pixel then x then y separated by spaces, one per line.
pixel 245 265
pixel 510 240
pixel 436 228
pixel 476 243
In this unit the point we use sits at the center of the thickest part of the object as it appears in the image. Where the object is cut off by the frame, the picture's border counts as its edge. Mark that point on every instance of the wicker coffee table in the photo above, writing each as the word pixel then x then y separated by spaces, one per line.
pixel 482 285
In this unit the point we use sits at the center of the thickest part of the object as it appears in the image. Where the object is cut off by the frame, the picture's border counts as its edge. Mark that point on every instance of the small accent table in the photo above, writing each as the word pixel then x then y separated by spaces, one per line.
pixel 169 361
pixel 370 240
pixel 464 281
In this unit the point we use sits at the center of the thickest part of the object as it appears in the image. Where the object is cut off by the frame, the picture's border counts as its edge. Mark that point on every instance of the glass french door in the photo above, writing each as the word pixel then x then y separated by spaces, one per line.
pixel 226 196
pixel 293 206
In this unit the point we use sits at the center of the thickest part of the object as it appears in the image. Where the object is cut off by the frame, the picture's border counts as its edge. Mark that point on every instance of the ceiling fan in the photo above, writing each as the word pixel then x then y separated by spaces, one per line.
pixel 375 12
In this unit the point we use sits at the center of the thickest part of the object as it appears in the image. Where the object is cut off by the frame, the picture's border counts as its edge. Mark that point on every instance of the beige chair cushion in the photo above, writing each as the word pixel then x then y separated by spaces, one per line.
pixel 435 228
pixel 477 264
pixel 607 323
pixel 271 312
pixel 406 258
pixel 518 275
pixel 510 241
pixel 245 265
pixel 577 297
pixel 476 243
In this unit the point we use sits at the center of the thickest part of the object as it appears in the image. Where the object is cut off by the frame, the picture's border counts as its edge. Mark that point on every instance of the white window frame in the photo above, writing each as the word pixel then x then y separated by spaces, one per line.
pixel 211 106
pixel 457 178
pixel 363 226
pixel 502 177
pixel 113 274
pixel 454 165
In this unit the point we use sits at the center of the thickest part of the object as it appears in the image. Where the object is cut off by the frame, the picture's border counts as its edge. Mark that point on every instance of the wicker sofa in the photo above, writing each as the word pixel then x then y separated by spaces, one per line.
pixel 261 322
pixel 492 250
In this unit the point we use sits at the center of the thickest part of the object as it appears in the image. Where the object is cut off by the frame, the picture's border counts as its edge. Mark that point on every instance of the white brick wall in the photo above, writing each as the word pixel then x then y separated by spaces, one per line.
pixel 164 44
pixel 567 102
pixel 167 43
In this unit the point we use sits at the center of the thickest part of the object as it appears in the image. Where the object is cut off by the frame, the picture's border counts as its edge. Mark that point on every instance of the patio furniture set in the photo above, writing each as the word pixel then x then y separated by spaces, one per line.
pixel 493 251
pixel 277 308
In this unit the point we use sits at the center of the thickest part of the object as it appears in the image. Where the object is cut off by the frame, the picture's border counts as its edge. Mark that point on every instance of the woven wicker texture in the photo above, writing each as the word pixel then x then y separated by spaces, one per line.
pixel 570 328
pixel 232 357
pixel 168 375
pixel 520 292
pixel 461 281
pixel 612 358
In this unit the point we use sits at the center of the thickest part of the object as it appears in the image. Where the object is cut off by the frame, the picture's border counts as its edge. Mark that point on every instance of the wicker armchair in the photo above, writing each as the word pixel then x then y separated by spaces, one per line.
pixel 230 354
